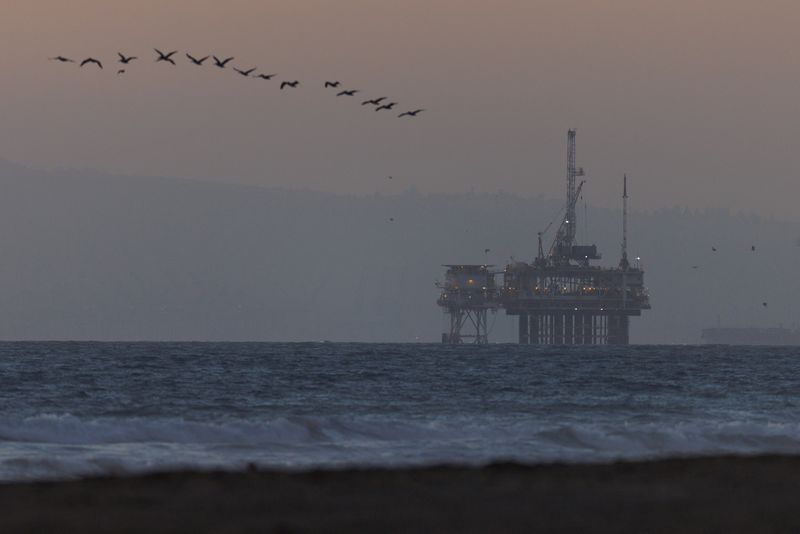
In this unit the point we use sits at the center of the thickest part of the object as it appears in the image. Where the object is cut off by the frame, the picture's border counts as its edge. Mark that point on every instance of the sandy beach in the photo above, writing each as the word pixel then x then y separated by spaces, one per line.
pixel 721 494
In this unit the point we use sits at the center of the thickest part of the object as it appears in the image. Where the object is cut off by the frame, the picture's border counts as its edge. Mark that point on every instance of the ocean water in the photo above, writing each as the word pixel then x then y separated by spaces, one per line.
pixel 75 409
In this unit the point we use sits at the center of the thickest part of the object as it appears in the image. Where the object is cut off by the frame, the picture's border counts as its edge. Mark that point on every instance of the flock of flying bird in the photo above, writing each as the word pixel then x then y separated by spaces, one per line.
pixel 379 104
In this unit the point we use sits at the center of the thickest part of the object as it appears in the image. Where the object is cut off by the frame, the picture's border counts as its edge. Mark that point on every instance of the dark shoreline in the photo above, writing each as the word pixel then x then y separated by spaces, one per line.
pixel 710 494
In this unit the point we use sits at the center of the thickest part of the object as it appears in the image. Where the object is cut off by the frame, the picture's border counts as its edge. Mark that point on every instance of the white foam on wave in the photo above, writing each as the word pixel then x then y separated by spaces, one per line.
pixel 63 445
pixel 72 430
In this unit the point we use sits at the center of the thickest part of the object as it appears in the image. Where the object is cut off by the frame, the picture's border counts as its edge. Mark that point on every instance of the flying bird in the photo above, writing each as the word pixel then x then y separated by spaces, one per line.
pixel 713 249
pixel 91 60
pixel 332 84
pixel 165 57
pixel 374 101
pixel 266 76
pixel 120 71
pixel 764 304
pixel 411 113
pixel 487 250
pixel 753 248
pixel 245 73
pixel 293 84
pixel 125 60
pixel 221 62
pixel 391 219
pixel 349 92
pixel 198 62
pixel 390 177
pixel 62 59
pixel 390 105
pixel 694 266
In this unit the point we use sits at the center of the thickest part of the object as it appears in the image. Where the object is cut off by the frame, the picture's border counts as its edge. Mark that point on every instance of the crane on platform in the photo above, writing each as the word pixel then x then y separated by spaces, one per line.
pixel 565 235
pixel 540 259
pixel 573 172
pixel 563 248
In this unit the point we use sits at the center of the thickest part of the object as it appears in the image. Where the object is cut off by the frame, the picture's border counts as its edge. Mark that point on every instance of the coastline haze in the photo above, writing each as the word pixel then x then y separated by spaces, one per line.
pixel 96 256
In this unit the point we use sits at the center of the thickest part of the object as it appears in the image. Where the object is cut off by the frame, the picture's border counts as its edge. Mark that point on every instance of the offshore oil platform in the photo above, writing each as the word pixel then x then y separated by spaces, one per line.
pixel 560 298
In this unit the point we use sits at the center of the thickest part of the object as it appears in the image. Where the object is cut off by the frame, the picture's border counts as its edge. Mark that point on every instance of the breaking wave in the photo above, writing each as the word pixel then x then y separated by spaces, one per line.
pixel 63 446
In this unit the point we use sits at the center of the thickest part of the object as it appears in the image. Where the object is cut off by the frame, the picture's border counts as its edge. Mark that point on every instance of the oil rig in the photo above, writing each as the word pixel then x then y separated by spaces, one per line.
pixel 560 298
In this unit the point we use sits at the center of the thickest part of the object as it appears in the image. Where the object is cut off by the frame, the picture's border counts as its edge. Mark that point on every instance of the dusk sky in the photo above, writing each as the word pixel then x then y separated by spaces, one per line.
pixel 697 101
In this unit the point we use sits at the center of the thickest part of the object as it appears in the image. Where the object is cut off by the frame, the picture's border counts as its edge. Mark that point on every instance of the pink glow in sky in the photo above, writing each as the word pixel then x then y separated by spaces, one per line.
pixel 696 101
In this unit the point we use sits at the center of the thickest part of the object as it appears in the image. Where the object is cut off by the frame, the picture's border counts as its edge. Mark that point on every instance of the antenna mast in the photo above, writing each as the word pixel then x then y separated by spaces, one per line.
pixel 623 262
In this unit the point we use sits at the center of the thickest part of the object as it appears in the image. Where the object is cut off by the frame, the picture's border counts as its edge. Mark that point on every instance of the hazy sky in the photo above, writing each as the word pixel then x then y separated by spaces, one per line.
pixel 698 101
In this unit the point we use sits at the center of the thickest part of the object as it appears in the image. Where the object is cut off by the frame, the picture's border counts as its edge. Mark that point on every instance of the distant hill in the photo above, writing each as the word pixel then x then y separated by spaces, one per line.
pixel 90 256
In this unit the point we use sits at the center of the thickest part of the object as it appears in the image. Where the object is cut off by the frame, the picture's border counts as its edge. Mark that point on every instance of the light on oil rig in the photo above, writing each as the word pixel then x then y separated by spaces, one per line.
pixel 559 298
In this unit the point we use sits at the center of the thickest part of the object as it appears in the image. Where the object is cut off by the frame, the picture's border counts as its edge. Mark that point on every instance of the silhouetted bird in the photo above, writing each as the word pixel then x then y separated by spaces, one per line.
pixel 349 92
pixel 198 62
pixel 245 73
pixel 91 60
pixel 125 60
pixel 332 84
pixel 266 76
pixel 764 304
pixel 221 62
pixel 694 266
pixel 391 219
pixel 62 59
pixel 120 71
pixel 293 84
pixel 165 57
pixel 487 250
pixel 374 102
pixel 713 249
pixel 411 113
pixel 390 177
pixel 753 248
pixel 390 105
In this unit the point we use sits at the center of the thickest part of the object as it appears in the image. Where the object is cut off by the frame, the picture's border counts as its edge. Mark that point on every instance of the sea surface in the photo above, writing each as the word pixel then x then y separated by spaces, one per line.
pixel 75 409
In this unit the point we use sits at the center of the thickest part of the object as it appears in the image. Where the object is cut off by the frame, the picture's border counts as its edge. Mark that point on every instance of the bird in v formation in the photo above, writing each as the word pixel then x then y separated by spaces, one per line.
pixel 165 57
pixel 374 101
pixel 125 59
pixel 198 62
pixel 91 60
pixel 245 73
pixel 222 63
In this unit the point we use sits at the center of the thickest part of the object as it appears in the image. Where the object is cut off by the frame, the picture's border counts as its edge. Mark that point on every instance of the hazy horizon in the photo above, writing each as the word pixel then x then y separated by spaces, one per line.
pixel 94 256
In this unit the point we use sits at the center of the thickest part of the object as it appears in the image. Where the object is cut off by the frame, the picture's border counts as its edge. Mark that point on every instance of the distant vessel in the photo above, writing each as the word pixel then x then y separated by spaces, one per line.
pixel 751 336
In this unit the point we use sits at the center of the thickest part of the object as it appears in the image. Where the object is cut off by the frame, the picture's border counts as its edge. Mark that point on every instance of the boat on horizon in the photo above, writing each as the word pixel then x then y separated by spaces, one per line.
pixel 750 336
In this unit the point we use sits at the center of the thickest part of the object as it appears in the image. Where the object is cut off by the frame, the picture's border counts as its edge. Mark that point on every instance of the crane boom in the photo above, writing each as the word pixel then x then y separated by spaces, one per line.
pixel 567 225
